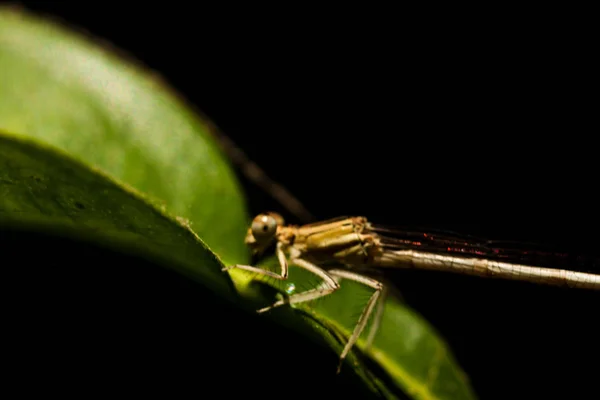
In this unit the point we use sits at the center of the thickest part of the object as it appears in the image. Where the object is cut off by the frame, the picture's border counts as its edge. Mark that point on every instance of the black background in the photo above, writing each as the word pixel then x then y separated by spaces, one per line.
pixel 484 134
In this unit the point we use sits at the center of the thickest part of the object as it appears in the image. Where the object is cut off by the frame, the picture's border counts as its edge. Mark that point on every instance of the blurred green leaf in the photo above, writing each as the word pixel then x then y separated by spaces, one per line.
pixel 64 90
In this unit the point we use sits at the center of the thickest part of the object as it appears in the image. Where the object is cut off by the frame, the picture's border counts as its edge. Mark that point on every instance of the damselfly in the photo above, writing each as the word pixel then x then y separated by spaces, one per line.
pixel 352 247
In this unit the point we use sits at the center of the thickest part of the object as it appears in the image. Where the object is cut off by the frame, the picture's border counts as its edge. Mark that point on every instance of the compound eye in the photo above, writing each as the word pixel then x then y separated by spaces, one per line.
pixel 264 227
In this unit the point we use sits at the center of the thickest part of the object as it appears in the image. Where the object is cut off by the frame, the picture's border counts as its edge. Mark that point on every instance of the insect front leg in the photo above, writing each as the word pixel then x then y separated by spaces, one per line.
pixel 282 263
pixel 330 285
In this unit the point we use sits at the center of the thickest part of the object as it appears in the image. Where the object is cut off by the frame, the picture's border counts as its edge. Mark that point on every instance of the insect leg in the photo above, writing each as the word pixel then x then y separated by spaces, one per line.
pixel 364 317
pixel 377 318
pixel 330 285
pixel 282 263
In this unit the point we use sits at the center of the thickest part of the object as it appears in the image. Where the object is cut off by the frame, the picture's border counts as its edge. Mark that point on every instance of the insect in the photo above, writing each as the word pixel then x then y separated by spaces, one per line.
pixel 350 247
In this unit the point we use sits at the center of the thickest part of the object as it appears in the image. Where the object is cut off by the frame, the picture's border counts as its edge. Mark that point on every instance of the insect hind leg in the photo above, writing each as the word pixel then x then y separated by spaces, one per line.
pixel 368 310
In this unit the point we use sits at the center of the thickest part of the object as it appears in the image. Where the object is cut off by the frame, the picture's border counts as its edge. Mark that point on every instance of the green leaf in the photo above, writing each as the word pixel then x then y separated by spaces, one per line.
pixel 64 90
pixel 69 213
pixel 154 158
